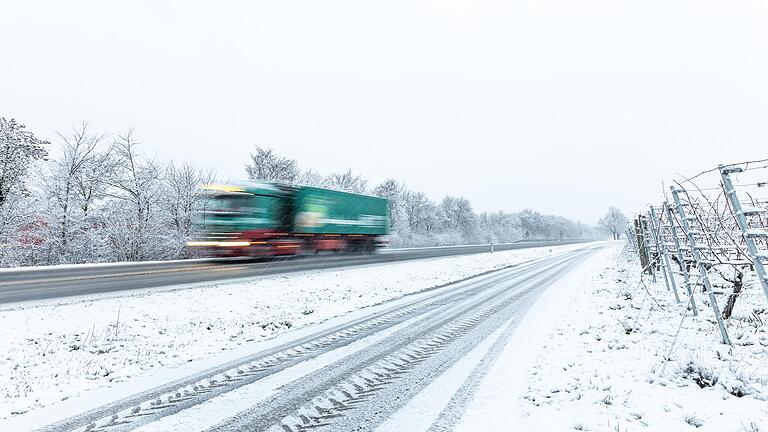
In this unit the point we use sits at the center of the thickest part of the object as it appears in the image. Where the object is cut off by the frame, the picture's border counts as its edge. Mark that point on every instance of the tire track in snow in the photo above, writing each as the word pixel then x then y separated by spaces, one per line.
pixel 360 393
pixel 175 397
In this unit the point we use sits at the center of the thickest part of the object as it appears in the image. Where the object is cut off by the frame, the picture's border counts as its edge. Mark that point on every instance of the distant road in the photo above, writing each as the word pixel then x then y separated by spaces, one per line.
pixel 28 284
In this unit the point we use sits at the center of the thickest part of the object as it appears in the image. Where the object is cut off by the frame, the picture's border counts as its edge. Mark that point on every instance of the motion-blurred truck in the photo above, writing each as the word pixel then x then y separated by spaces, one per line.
pixel 269 219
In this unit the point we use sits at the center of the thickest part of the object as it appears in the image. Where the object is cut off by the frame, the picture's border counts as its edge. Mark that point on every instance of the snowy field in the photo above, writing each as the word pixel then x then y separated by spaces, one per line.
pixel 620 358
pixel 58 349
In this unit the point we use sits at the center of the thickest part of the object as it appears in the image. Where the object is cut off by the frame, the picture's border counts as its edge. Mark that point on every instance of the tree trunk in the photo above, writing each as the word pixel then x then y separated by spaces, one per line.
pixel 738 283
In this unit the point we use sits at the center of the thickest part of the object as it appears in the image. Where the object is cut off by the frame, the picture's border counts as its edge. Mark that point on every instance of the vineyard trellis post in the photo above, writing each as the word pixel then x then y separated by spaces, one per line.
pixel 652 260
pixel 697 257
pixel 669 279
pixel 632 239
pixel 681 260
pixel 641 244
pixel 656 252
pixel 741 218
pixel 648 238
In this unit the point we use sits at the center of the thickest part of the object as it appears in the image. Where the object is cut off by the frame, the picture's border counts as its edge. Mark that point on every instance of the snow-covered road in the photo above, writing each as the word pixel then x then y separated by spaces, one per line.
pixel 548 340
pixel 27 284
pixel 56 350
pixel 376 367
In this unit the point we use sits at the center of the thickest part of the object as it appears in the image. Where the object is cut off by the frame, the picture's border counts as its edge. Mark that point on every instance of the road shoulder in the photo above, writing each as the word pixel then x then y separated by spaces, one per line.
pixel 496 404
pixel 599 352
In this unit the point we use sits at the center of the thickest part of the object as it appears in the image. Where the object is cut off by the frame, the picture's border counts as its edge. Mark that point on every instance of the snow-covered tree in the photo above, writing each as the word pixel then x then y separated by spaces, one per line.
pixel 69 183
pixel 266 165
pixel 346 181
pixel 456 212
pixel 498 227
pixel 420 212
pixel 614 222
pixel 310 178
pixel 21 230
pixel 97 201
pixel 458 219
pixel 393 191
pixel 183 198
pixel 18 149
pixel 132 222
pixel 532 224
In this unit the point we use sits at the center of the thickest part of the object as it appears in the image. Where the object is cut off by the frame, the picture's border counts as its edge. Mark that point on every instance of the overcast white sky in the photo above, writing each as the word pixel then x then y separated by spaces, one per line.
pixel 562 106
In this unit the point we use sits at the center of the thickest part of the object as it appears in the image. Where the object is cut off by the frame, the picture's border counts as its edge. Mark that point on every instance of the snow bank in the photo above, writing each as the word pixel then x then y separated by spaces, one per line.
pixel 55 350
pixel 612 359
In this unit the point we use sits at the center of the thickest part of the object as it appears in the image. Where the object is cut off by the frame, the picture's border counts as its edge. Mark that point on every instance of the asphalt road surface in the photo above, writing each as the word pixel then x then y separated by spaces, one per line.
pixel 384 371
pixel 54 282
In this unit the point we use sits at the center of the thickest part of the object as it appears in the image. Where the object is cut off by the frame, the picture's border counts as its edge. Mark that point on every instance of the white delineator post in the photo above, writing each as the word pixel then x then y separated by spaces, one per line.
pixel 697 257
pixel 681 260
pixel 669 278
pixel 741 218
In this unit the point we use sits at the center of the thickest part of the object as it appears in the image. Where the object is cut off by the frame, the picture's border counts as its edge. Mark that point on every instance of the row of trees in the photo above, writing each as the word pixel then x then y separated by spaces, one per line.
pixel 91 198
pixel 96 198
pixel 417 220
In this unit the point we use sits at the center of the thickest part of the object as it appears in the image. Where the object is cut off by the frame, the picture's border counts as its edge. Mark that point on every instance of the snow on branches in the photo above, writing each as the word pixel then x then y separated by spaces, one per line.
pixel 18 149
pixel 100 198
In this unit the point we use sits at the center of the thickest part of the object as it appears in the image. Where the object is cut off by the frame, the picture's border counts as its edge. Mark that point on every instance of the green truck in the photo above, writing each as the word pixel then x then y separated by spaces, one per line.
pixel 266 219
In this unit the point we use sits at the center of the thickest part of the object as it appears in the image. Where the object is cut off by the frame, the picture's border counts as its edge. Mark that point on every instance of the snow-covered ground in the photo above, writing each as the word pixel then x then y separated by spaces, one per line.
pixel 56 350
pixel 599 353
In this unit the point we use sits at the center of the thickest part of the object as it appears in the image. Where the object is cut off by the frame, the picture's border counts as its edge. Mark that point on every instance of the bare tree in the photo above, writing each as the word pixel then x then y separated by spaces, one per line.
pixel 419 212
pixel 458 217
pixel 69 190
pixel 346 181
pixel 614 222
pixel 267 166
pixel 183 198
pixel 393 191
pixel 310 178
pixel 91 185
pixel 135 187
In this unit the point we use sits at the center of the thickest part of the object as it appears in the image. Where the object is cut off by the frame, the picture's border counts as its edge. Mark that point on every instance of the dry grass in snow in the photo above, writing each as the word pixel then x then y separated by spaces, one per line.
pixel 623 358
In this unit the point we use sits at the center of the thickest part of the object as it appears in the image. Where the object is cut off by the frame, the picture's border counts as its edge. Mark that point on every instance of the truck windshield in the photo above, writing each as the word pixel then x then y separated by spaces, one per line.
pixel 231 204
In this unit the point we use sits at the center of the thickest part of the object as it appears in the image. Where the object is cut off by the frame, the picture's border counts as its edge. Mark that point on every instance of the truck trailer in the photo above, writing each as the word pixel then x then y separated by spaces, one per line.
pixel 269 219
